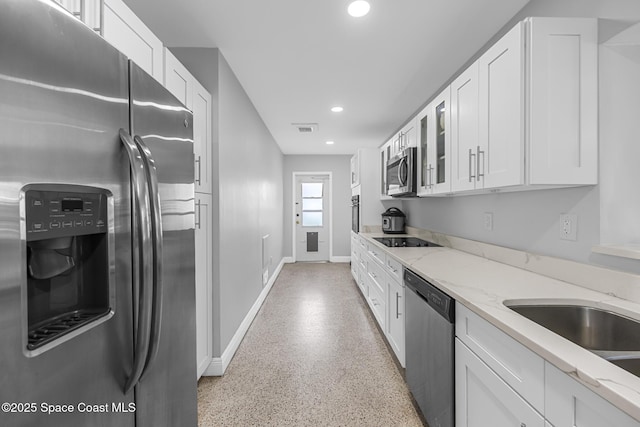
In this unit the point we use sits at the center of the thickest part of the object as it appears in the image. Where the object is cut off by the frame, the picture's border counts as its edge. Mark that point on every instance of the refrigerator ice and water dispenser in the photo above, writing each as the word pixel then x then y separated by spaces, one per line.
pixel 69 262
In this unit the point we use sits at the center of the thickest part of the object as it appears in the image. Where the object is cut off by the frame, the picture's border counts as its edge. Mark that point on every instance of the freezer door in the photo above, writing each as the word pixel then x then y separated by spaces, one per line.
pixel 64 97
pixel 166 393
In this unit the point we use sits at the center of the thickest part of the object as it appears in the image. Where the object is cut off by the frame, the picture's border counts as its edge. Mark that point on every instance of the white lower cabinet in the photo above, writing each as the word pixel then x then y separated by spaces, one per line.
pixel 569 403
pixel 204 277
pixel 499 382
pixel 395 324
pixel 355 257
pixel 379 278
pixel 483 398
pixel 377 290
pixel 519 367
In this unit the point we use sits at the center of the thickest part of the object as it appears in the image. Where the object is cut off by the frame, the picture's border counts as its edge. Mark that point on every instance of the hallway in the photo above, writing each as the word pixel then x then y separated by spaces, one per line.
pixel 312 357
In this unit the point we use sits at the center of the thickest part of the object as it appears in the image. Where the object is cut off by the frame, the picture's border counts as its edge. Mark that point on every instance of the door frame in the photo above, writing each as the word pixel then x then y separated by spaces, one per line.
pixel 295 175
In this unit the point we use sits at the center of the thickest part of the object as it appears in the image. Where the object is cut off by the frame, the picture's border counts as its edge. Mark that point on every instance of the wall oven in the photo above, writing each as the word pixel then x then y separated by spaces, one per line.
pixel 355 213
pixel 401 173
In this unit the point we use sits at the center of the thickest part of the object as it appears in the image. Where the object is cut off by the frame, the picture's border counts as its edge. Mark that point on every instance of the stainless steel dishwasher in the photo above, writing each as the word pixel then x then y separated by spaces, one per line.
pixel 429 330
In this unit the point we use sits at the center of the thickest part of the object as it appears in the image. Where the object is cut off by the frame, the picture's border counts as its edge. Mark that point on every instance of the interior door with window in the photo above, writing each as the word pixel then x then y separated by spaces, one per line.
pixel 312 207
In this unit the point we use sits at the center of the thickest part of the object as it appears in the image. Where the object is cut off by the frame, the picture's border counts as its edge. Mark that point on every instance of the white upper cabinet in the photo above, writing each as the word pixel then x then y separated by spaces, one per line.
pixel 487 114
pixel 177 79
pixel 385 155
pixel 500 152
pixel 184 86
pixel 464 130
pixel 408 135
pixel 525 114
pixel 425 160
pixel 126 32
pixel 88 11
pixel 201 107
pixel 405 138
pixel 434 146
pixel 563 100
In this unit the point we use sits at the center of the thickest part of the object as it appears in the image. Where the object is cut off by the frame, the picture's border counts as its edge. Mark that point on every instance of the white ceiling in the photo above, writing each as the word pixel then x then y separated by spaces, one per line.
pixel 296 59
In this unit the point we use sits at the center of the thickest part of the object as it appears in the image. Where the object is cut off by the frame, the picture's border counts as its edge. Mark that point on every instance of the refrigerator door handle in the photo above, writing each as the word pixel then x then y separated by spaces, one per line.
pixel 156 238
pixel 141 229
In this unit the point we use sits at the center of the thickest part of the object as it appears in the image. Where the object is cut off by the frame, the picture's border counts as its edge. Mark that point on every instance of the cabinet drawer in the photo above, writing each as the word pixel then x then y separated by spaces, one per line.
pixel 362 260
pixel 518 366
pixel 362 281
pixel 355 249
pixel 377 254
pixel 377 276
pixel 363 243
pixel 378 306
pixel 394 268
pixel 354 266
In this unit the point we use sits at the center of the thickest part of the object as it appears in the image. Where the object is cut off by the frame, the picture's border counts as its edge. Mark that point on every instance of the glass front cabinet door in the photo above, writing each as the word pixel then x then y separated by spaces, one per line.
pixel 434 147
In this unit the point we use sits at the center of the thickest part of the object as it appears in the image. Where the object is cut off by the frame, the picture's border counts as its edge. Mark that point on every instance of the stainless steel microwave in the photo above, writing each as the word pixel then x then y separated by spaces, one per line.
pixel 401 173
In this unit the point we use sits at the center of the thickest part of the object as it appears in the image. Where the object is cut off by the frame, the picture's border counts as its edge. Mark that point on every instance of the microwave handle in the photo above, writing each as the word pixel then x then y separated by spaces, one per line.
pixel 403 163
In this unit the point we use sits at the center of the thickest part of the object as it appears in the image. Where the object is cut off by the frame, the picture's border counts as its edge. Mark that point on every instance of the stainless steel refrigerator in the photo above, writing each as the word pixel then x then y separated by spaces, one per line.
pixel 97 310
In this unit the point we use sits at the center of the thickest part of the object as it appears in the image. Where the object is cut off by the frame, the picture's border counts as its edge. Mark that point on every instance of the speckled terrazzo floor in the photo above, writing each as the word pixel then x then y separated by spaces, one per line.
pixel 312 357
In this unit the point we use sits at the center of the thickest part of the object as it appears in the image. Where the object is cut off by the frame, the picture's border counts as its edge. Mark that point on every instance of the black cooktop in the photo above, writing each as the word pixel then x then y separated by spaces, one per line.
pixel 404 242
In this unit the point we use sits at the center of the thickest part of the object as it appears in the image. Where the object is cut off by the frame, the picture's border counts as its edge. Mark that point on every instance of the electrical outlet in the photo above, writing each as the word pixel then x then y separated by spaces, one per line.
pixel 488 221
pixel 569 227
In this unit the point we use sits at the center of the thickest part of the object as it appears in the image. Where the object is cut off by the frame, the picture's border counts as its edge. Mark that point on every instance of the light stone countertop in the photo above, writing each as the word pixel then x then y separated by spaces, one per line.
pixel 483 284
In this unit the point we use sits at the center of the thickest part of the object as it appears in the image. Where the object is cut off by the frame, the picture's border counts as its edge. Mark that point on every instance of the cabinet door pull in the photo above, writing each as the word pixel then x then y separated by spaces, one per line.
pixel 471 156
pixel 198 222
pixel 199 179
pixel 479 163
pixel 397 306
pixel 431 180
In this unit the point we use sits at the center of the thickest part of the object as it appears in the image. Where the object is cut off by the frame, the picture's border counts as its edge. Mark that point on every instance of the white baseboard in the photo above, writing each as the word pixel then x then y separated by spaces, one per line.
pixel 289 259
pixel 219 365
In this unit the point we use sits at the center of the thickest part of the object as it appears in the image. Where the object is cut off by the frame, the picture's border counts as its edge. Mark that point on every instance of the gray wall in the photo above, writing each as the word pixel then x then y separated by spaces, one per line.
pixel 340 166
pixel 248 193
pixel 530 220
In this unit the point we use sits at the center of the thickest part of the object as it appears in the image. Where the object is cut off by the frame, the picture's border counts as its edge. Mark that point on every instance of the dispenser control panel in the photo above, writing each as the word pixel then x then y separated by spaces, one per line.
pixel 51 213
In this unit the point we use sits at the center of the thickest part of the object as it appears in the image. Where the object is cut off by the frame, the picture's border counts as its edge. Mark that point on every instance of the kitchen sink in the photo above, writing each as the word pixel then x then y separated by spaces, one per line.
pixel 610 335
pixel 629 364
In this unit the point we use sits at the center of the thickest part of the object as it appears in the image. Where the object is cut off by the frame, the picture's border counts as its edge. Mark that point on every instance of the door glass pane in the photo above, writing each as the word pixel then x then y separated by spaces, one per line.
pixel 311 189
pixel 423 151
pixel 440 143
pixel 311 204
pixel 312 219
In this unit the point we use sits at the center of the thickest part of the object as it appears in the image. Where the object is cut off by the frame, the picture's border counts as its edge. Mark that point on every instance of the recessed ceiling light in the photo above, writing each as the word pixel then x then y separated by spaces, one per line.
pixel 329 142
pixel 337 109
pixel 358 8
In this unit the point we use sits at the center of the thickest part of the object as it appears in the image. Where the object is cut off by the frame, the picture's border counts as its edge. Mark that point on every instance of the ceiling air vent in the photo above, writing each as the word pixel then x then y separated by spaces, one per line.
pixel 306 127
